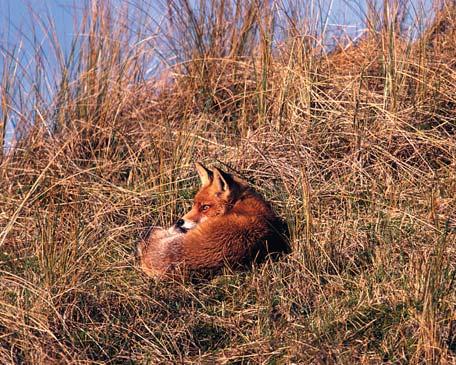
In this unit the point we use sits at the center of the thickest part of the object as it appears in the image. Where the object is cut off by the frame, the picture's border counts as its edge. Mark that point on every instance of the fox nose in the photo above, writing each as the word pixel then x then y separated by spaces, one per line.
pixel 180 223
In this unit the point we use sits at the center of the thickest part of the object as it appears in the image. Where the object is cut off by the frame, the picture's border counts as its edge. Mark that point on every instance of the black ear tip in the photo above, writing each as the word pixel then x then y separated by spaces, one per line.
pixel 199 165
pixel 221 172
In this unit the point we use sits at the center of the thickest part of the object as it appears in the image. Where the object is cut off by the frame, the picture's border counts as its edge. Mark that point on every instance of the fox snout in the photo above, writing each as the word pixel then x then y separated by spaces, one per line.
pixel 184 225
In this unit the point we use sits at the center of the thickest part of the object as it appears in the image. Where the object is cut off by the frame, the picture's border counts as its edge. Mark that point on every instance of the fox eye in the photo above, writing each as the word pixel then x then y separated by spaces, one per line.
pixel 205 207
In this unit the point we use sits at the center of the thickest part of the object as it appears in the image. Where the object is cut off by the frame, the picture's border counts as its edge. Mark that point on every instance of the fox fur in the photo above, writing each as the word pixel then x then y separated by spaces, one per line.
pixel 229 224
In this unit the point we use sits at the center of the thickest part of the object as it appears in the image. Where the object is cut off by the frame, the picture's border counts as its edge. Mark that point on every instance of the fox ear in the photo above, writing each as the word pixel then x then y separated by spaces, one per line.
pixel 204 174
pixel 224 183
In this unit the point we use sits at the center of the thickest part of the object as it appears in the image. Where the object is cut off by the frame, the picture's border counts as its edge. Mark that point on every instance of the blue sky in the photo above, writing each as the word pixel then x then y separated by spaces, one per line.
pixel 20 16
pixel 18 19
pixel 15 15
pixel 21 19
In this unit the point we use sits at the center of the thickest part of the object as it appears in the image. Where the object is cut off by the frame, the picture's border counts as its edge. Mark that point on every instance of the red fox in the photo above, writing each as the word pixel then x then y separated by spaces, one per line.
pixel 229 224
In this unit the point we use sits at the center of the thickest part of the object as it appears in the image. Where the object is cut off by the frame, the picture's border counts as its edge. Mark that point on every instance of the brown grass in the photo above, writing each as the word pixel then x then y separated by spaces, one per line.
pixel 355 146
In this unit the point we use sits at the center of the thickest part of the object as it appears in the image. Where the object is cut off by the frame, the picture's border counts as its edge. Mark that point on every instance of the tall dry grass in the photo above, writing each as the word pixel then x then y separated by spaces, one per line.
pixel 354 145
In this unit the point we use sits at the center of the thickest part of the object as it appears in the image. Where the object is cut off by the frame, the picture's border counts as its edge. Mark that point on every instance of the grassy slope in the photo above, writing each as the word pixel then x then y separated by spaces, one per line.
pixel 356 149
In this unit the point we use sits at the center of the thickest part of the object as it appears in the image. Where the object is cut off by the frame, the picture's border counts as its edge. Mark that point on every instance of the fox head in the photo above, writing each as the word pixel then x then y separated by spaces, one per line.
pixel 217 195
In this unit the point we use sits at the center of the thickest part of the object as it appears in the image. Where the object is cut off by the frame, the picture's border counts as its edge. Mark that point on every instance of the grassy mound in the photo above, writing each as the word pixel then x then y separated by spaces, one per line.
pixel 355 145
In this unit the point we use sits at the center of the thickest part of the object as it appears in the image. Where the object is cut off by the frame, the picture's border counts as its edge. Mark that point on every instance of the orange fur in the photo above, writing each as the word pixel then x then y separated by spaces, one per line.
pixel 231 224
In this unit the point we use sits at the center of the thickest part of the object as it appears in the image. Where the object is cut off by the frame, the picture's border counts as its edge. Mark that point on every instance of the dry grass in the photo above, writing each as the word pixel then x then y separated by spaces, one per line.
pixel 356 148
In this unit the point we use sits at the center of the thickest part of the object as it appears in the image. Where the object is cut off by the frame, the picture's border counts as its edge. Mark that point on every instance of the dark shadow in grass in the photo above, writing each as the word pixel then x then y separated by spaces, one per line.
pixel 107 328
pixel 204 337
pixel 8 342
pixel 85 313
pixel 373 324
pixel 451 341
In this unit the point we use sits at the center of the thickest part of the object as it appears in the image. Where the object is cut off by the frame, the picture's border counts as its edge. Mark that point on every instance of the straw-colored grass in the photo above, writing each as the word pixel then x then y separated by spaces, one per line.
pixel 355 146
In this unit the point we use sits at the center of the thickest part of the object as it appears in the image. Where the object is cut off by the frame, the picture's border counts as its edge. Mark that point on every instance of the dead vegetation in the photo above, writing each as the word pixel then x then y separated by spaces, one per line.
pixel 355 147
